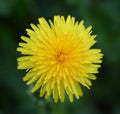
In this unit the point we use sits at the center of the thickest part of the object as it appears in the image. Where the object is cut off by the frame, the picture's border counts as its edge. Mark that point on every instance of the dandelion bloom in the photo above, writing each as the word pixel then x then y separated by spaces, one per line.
pixel 58 57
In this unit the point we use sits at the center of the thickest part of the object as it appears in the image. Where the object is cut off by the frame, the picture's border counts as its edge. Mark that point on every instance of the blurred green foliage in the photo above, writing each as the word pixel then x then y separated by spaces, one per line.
pixel 16 16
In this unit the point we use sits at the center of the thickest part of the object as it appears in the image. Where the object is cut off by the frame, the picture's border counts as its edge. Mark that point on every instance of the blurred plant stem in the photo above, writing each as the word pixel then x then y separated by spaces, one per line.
pixel 49 107
pixel 58 108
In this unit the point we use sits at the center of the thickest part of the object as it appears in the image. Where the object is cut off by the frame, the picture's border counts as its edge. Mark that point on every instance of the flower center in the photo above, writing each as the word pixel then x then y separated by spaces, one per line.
pixel 60 56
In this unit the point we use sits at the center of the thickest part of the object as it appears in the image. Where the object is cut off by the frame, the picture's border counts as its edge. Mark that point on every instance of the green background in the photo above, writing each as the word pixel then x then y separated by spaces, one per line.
pixel 16 16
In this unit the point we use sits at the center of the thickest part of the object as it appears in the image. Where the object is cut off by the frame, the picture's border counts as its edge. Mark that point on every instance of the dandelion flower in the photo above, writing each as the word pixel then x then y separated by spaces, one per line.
pixel 58 58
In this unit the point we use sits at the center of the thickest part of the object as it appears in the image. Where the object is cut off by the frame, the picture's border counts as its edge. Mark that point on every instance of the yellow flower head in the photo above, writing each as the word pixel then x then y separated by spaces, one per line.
pixel 58 57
